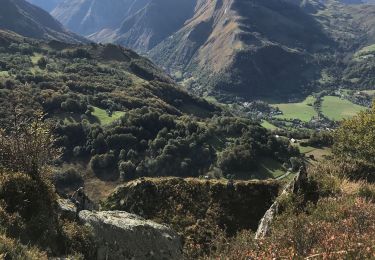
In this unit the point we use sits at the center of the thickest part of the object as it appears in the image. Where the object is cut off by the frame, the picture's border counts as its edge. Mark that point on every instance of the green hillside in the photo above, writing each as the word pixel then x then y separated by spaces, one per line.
pixel 119 115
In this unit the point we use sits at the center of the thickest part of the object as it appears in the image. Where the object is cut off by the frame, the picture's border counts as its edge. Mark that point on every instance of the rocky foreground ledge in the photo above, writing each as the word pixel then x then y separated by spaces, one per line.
pixel 122 235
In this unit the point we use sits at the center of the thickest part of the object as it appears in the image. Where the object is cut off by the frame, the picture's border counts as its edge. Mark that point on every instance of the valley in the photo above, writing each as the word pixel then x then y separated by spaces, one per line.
pixel 191 129
pixel 228 49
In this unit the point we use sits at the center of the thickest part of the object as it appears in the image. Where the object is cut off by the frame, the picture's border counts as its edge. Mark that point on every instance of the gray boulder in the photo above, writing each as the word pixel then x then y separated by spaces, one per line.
pixel 67 209
pixel 121 235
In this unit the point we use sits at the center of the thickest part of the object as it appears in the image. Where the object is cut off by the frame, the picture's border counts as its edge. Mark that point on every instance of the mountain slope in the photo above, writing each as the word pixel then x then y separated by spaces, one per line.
pixel 92 16
pixel 121 117
pixel 47 5
pixel 247 48
pixel 31 21
pixel 152 24
pixel 237 48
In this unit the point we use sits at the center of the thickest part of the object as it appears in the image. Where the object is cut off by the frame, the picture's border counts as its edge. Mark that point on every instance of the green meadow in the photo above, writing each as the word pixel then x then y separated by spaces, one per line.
pixel 303 111
pixel 336 108
pixel 268 125
pixel 103 116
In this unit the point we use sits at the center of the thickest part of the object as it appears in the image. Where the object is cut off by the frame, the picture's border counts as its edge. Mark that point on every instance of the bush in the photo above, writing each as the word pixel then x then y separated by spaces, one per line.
pixel 367 192
pixel 42 63
pixel 356 137
pixel 28 146
pixel 127 170
pixel 102 162
pixel 66 178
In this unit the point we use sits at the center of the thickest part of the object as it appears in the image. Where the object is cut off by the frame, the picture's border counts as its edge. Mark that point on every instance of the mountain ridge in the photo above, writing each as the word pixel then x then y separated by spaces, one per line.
pixel 31 21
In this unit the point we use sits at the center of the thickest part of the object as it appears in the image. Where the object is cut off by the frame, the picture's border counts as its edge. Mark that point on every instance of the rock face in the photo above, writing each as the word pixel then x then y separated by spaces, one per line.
pixel 122 235
pixel 231 206
pixel 293 187
pixel 67 209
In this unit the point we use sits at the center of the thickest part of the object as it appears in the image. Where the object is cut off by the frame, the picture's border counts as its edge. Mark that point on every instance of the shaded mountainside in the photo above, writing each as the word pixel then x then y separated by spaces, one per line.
pixel 246 48
pixel 241 48
pixel 47 5
pixel 92 16
pixel 31 21
pixel 272 48
pixel 158 20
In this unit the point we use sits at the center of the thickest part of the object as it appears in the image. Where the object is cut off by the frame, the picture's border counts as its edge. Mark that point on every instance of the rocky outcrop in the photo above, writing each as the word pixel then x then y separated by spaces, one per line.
pixel 67 209
pixel 82 201
pixel 121 235
pixel 232 206
pixel 293 187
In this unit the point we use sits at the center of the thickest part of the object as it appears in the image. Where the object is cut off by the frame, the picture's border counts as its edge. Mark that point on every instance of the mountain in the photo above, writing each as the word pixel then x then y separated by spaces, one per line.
pixel 47 5
pixel 92 16
pixel 358 1
pixel 152 24
pixel 234 48
pixel 31 21
pixel 246 48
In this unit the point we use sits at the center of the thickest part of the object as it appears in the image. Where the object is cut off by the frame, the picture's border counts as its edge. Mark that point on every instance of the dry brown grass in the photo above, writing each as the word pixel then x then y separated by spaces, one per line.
pixel 11 249
pixel 341 225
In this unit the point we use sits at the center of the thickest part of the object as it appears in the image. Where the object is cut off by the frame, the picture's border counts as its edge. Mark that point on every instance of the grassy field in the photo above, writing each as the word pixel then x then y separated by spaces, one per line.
pixel 336 108
pixel 320 153
pixel 268 125
pixel 103 117
pixel 35 58
pixel 270 168
pixel 4 74
pixel 306 149
pixel 369 92
pixel 366 50
pixel 303 111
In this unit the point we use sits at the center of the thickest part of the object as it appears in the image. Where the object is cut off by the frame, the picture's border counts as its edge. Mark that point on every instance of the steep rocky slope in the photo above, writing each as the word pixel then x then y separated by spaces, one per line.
pixel 31 21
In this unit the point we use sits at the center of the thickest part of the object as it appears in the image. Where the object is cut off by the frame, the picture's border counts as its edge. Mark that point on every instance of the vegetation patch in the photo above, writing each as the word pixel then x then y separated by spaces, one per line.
pixel 303 111
pixel 12 249
pixel 268 125
pixel 365 51
pixel 4 74
pixel 272 168
pixel 106 117
pixel 336 108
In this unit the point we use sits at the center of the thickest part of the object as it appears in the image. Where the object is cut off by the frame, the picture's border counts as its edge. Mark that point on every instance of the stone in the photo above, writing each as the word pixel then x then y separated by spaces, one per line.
pixel 82 201
pixel 121 235
pixel 67 209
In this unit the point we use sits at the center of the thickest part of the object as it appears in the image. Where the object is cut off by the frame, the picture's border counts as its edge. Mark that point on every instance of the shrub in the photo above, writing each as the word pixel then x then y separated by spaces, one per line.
pixel 356 137
pixel 68 177
pixel 367 192
pixel 127 170
pixel 28 146
pixel 11 249
pixel 102 162
pixel 42 62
